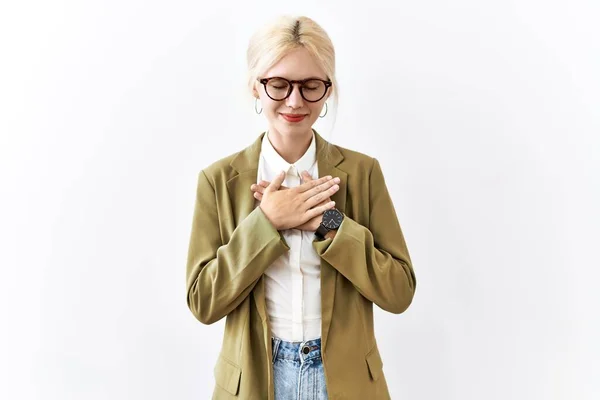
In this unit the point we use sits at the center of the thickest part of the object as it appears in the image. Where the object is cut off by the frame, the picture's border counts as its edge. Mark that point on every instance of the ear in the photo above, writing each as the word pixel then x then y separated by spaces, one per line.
pixel 255 91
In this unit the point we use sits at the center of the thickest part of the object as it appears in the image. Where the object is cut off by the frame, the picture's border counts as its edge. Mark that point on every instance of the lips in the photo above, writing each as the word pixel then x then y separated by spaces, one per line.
pixel 293 117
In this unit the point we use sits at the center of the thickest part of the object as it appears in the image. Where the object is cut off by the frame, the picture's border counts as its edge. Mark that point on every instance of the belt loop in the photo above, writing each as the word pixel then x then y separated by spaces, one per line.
pixel 275 344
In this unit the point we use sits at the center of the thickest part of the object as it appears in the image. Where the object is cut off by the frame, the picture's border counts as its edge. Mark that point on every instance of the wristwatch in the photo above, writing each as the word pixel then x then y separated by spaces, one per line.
pixel 332 219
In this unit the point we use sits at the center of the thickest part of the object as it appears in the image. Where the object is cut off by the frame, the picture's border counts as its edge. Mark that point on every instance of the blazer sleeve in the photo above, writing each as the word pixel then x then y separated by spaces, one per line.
pixel 219 276
pixel 375 260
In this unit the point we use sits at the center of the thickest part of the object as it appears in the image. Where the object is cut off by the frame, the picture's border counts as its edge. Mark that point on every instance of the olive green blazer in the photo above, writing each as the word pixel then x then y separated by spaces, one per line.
pixel 232 243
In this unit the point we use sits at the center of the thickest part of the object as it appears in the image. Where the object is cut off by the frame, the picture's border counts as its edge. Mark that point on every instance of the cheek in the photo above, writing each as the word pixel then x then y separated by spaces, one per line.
pixel 269 108
pixel 268 104
pixel 272 112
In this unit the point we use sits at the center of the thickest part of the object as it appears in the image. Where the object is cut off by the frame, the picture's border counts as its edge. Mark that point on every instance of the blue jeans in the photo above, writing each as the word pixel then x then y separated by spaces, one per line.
pixel 298 370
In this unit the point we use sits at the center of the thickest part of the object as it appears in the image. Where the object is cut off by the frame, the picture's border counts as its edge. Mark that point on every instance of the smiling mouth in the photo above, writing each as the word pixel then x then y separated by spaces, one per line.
pixel 296 118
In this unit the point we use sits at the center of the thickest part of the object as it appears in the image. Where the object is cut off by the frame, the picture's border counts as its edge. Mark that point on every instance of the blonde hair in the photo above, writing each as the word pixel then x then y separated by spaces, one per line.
pixel 284 34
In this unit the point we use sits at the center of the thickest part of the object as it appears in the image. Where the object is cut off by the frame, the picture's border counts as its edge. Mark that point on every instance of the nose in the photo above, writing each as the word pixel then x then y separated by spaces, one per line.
pixel 295 99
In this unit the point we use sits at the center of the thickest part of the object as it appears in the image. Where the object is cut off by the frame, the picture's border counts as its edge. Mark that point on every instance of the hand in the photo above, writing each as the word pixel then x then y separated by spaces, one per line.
pixel 289 208
pixel 328 187
pixel 314 223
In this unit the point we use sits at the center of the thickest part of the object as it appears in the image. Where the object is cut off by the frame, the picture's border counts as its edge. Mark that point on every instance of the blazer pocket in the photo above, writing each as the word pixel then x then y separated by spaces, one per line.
pixel 375 363
pixel 227 375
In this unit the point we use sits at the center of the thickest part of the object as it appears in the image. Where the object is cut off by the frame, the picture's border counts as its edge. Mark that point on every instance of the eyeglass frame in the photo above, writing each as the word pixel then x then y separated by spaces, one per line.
pixel 264 82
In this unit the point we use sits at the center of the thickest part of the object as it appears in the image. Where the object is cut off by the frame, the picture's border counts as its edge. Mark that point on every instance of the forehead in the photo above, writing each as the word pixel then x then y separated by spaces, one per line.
pixel 297 64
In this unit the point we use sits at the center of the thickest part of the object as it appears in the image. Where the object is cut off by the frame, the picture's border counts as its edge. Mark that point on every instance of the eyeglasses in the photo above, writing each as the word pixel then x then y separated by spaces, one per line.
pixel 311 90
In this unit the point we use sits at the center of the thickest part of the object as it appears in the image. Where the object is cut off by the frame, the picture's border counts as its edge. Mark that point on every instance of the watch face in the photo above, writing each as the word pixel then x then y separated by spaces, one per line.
pixel 332 219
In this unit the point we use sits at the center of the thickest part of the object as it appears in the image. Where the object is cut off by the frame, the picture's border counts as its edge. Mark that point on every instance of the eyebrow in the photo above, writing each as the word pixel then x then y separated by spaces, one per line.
pixel 310 77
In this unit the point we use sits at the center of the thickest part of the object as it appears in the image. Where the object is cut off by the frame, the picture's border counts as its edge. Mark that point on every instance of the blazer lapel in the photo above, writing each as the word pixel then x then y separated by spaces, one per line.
pixel 243 202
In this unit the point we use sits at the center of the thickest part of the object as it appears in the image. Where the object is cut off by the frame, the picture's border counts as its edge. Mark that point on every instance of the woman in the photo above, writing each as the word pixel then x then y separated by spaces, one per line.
pixel 294 239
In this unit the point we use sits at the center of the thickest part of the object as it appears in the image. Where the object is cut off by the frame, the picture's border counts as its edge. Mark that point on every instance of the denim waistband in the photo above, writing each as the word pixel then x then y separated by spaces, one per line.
pixel 296 351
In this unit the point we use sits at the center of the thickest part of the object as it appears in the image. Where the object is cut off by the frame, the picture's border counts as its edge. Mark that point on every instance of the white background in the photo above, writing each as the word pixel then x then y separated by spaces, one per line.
pixel 483 114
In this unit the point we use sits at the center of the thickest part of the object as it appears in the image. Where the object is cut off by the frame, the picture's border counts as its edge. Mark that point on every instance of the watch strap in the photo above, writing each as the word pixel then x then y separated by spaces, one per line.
pixel 321 231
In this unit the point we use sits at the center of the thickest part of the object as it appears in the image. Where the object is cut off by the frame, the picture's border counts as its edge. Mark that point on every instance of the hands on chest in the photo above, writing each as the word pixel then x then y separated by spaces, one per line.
pixel 301 207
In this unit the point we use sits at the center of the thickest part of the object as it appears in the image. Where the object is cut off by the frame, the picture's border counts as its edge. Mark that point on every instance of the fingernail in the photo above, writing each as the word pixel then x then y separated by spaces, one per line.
pixel 337 180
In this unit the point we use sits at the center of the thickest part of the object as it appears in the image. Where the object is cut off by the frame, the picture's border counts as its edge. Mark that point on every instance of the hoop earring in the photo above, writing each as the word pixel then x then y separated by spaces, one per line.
pixel 326 109
pixel 255 103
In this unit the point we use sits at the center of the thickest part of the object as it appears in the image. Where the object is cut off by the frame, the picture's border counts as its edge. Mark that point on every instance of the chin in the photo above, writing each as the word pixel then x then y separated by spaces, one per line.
pixel 288 127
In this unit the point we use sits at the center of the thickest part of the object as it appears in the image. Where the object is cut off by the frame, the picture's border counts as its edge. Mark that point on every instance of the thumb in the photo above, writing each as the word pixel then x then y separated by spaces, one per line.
pixel 275 183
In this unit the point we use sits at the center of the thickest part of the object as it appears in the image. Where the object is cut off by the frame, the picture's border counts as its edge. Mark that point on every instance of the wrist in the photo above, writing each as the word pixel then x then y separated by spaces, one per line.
pixel 330 234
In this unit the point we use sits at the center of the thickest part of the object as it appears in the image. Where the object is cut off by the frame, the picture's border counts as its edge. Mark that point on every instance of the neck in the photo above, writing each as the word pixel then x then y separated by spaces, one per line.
pixel 290 147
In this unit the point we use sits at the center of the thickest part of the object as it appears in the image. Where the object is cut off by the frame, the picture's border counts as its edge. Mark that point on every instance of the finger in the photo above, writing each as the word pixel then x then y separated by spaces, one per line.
pixel 258 196
pixel 265 184
pixel 306 177
pixel 317 199
pixel 320 192
pixel 311 184
pixel 313 212
pixel 275 183
pixel 262 183
pixel 324 202
pixel 259 189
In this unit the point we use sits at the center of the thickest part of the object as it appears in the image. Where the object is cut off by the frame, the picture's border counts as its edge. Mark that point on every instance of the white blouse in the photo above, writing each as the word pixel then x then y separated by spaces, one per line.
pixel 293 281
